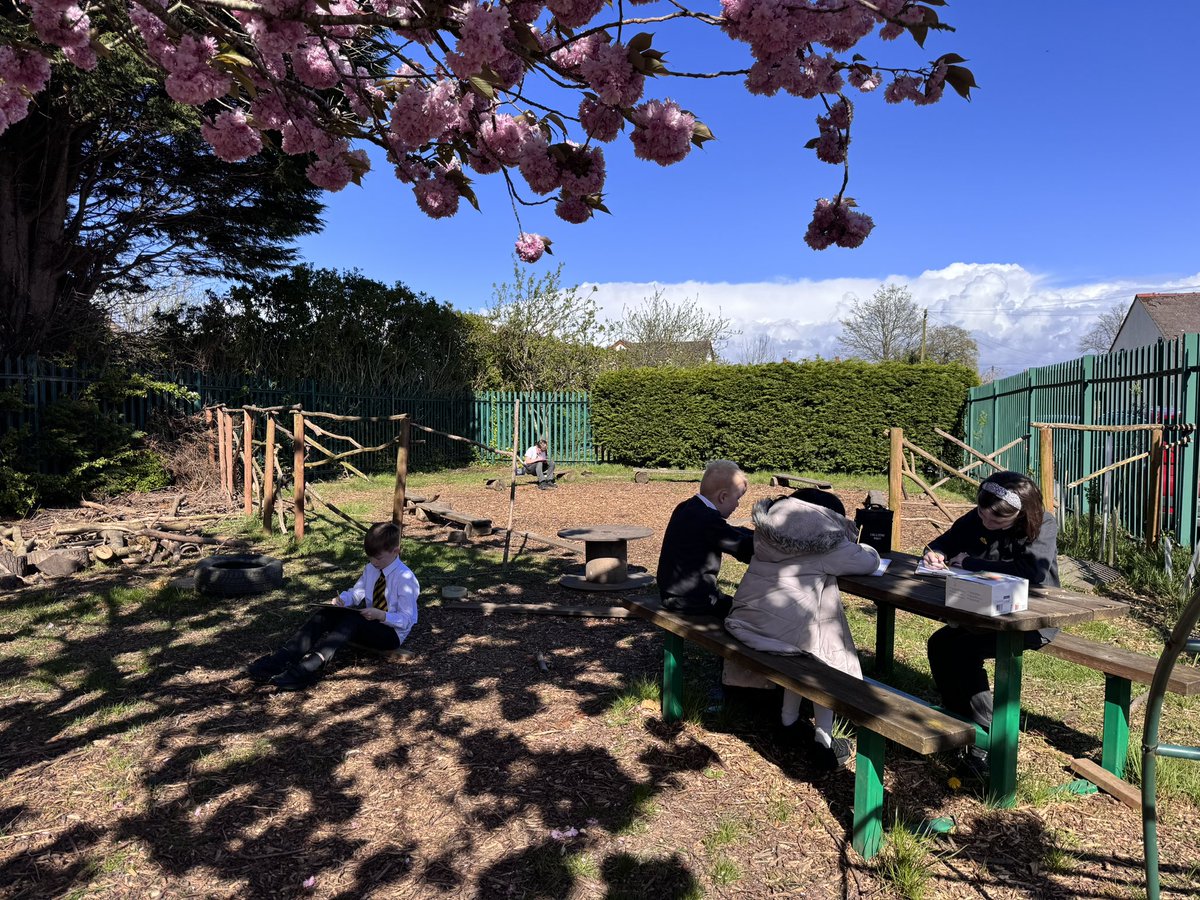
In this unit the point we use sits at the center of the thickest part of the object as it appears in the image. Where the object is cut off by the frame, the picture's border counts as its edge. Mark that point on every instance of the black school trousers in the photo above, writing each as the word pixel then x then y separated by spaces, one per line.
pixel 332 627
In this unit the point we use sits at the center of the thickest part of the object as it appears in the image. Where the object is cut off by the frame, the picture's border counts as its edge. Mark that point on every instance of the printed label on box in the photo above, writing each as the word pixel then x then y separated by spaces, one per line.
pixel 987 593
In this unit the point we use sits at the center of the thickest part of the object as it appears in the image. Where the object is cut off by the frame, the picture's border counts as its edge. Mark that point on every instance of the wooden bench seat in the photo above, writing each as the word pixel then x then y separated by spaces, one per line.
pixel 642 476
pixel 880 713
pixel 783 479
pixel 1120 668
pixel 501 484
pixel 474 526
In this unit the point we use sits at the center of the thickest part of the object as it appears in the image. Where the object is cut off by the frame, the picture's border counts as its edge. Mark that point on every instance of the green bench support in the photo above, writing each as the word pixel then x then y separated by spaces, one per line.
pixel 1121 668
pixel 880 713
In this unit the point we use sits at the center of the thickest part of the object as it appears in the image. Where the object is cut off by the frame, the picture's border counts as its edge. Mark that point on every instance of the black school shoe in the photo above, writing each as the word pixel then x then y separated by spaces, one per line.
pixel 973 763
pixel 300 675
pixel 267 667
pixel 830 759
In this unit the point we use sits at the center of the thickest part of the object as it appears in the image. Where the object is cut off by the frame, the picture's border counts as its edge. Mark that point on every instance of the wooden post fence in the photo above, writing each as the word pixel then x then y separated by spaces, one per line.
pixel 1154 493
pixel 268 505
pixel 401 475
pixel 247 463
pixel 1046 466
pixel 512 484
pixel 896 482
pixel 298 475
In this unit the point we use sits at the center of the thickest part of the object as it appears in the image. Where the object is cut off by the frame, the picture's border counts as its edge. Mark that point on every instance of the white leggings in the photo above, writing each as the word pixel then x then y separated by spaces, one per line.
pixel 822 717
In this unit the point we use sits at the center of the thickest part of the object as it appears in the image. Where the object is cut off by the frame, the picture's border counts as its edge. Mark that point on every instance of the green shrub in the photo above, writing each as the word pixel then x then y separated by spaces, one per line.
pixel 822 415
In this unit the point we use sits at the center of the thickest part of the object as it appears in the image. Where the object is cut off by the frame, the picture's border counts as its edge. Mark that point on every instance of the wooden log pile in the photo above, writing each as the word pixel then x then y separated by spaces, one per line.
pixel 64 542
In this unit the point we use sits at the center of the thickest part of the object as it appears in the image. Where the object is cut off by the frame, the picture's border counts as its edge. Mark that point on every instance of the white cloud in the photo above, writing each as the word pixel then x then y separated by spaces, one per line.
pixel 1019 318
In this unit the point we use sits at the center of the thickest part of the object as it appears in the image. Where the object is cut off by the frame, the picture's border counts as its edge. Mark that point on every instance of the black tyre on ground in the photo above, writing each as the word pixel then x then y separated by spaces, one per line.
pixel 231 576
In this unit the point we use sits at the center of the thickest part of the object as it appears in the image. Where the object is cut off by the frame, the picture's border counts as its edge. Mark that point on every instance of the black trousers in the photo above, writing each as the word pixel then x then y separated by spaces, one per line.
pixel 332 627
pixel 719 605
pixel 956 658
pixel 543 469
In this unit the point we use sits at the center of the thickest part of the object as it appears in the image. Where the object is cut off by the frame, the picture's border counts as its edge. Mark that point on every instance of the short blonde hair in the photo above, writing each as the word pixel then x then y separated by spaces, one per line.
pixel 718 473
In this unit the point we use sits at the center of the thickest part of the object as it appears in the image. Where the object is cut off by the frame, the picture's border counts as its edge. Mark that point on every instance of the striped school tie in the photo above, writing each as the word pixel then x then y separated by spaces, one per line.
pixel 379 598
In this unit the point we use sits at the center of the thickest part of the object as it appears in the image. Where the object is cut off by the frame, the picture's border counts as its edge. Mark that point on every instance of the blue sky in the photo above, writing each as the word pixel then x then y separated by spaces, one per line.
pixel 1066 185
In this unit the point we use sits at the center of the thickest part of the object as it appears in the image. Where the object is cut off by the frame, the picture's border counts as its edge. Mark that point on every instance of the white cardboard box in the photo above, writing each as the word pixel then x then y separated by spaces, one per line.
pixel 987 593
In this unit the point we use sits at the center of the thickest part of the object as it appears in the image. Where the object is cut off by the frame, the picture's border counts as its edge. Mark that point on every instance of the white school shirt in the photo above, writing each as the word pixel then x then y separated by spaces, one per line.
pixel 708 503
pixel 401 591
pixel 535 454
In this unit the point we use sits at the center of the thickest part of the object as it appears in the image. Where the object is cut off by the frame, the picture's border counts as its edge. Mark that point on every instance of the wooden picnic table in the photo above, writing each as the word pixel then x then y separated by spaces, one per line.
pixel 925 595
pixel 606 555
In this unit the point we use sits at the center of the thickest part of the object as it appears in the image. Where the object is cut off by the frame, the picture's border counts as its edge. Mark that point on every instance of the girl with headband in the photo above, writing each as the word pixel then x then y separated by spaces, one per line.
pixel 1008 532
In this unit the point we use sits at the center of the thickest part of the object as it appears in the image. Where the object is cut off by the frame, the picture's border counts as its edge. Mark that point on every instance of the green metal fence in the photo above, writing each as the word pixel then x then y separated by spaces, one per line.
pixel 29 385
pixel 1155 384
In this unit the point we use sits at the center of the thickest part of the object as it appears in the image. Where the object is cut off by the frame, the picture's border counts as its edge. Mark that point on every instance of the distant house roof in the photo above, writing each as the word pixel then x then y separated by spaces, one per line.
pixel 1172 314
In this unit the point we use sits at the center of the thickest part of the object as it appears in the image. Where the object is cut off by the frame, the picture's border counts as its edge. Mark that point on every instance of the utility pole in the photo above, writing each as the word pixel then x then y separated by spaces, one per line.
pixel 924 323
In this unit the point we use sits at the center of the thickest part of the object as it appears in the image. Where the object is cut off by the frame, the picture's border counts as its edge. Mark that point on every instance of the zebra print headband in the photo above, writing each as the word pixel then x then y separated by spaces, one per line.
pixel 1012 498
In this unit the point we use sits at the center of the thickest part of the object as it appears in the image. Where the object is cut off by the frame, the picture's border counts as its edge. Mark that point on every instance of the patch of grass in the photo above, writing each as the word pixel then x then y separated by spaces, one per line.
pixel 548 871
pixel 1174 778
pixel 728 831
pixel 712 773
pixel 581 865
pixel 225 759
pixel 642 808
pixel 779 810
pixel 119 862
pixel 905 862
pixel 1057 856
pixel 623 706
pixel 113 712
pixel 1037 792
pixel 723 870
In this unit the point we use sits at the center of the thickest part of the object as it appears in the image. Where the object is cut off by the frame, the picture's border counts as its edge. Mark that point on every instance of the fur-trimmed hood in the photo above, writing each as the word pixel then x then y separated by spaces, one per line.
pixel 789 527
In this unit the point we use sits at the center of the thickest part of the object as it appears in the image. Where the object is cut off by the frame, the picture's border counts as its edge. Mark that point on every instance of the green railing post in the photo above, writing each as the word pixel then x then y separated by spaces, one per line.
pixel 867 835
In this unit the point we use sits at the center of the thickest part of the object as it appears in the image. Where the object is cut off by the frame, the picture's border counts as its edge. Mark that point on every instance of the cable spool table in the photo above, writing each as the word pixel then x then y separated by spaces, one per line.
pixel 607 560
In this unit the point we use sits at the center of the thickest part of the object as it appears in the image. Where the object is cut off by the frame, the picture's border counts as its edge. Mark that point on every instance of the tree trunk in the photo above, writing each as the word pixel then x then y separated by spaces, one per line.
pixel 35 187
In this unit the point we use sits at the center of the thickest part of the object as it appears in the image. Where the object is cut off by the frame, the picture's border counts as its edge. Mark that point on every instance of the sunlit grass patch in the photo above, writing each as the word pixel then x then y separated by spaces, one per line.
pixel 1173 778
pixel 625 703
pixel 724 870
pixel 581 865
pixel 779 810
pixel 905 862
pixel 728 831
pixel 240 754
pixel 1057 856
pixel 642 808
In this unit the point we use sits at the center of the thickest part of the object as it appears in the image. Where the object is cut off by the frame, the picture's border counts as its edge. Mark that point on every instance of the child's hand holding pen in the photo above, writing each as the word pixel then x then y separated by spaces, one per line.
pixel 933 559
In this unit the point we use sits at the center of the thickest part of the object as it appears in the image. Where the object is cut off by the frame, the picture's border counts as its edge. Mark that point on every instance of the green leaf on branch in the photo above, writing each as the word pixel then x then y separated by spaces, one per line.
pixel 640 42
pixel 961 79
pixel 482 86
pixel 701 133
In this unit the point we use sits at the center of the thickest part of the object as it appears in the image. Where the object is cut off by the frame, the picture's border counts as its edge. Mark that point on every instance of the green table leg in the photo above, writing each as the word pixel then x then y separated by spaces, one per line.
pixel 1117 693
pixel 868 794
pixel 885 639
pixel 672 687
pixel 1006 718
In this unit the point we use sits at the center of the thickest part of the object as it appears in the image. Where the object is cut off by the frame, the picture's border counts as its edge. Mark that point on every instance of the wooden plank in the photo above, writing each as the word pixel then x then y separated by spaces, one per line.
pixel 894 717
pixel 401 475
pixel 438 511
pixel 642 476
pixel 298 476
pixel 1112 660
pixel 541 609
pixel 784 479
pixel 1108 782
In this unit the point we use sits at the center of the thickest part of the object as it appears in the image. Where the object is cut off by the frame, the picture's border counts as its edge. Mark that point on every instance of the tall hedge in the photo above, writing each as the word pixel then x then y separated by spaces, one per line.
pixel 822 415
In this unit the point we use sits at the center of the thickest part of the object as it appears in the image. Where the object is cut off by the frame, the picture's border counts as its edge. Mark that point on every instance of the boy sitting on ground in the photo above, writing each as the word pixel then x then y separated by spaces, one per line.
pixel 378 613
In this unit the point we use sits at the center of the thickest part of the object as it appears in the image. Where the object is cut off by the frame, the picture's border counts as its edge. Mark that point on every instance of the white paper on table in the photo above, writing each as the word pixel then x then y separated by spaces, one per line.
pixel 923 569
pixel 883 567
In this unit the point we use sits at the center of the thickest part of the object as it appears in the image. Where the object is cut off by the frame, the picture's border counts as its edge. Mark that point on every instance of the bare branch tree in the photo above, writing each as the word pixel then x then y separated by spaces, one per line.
pixel 951 344
pixel 885 327
pixel 757 350
pixel 659 331
pixel 1101 336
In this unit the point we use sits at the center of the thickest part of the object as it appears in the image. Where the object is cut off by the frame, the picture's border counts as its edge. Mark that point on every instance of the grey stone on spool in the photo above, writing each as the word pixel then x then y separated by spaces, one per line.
pixel 606 570
pixel 59 564
pixel 453 592
pixel 457 536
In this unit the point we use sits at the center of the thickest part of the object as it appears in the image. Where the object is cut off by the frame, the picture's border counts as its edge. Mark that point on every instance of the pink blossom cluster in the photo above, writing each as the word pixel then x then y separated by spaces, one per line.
pixel 64 24
pixel 438 196
pixel 484 44
pixel 501 142
pixel 611 75
pixel 921 91
pixel 231 136
pixel 834 139
pixel 800 76
pixel 191 79
pixel 424 113
pixel 574 13
pixel 538 168
pixel 837 222
pixel 662 132
pixel 530 247
pixel 863 78
pixel 317 64
pixel 22 73
pixel 334 170
pixel 602 123
pixel 526 10
pixel 581 176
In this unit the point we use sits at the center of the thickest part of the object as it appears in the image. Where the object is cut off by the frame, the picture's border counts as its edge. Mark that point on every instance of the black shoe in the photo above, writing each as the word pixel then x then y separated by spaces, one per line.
pixel 300 675
pixel 973 763
pixel 800 733
pixel 836 756
pixel 267 667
